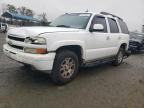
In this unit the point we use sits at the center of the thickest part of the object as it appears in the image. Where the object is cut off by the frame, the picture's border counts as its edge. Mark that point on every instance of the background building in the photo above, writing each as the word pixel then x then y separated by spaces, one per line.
pixel 21 16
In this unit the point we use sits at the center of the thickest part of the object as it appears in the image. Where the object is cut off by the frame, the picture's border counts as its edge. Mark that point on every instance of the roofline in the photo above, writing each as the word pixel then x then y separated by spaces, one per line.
pixel 105 14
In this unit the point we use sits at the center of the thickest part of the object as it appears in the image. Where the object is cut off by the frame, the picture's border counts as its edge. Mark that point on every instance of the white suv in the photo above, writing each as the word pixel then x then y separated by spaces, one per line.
pixel 71 40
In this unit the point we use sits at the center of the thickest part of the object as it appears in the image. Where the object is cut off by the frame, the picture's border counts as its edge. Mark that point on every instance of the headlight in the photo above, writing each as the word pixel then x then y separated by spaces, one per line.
pixel 36 40
pixel 35 50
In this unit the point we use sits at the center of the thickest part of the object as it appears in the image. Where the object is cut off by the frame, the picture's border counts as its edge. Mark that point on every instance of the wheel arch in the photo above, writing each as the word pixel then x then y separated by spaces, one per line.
pixel 77 49
pixel 124 46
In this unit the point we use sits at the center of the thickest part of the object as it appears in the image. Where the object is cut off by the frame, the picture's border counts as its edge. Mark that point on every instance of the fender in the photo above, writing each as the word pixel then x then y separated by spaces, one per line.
pixel 63 43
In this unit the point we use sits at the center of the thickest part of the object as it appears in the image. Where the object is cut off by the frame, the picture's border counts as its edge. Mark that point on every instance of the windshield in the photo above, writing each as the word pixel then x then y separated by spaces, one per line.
pixel 74 20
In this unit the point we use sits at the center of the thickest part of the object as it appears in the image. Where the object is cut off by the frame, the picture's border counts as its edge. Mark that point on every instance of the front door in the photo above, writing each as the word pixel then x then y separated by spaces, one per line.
pixel 98 44
pixel 98 41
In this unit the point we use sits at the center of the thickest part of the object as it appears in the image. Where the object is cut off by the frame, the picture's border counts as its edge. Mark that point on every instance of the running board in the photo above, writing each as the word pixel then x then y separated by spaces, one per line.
pixel 97 62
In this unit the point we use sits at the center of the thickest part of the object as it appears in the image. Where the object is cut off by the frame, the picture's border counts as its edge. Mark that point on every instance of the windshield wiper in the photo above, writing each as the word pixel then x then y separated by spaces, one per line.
pixel 63 26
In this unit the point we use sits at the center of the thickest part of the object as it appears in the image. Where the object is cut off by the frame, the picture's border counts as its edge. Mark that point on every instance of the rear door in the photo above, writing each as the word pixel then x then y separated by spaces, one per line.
pixel 114 35
pixel 124 32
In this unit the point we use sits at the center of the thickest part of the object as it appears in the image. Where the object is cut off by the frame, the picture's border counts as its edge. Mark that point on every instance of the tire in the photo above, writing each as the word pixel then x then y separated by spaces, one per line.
pixel 65 67
pixel 119 57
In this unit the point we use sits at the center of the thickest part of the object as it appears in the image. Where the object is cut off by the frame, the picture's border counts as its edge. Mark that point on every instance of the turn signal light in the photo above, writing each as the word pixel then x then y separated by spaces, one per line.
pixel 35 50
pixel 41 51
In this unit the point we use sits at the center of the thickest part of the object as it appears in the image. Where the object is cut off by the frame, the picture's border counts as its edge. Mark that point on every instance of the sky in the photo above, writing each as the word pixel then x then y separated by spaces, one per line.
pixel 132 11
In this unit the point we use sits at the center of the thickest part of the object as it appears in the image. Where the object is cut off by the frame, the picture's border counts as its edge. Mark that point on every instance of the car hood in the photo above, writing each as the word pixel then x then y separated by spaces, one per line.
pixel 34 31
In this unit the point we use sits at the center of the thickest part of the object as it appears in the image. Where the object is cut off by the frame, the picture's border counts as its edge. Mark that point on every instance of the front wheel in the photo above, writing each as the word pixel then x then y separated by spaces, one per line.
pixel 119 57
pixel 65 67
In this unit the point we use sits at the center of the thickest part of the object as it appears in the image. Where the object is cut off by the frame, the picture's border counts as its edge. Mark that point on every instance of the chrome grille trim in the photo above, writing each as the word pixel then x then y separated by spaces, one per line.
pixel 16 38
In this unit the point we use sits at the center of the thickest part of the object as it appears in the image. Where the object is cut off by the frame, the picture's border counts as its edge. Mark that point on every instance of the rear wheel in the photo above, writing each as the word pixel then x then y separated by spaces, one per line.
pixel 119 57
pixel 65 67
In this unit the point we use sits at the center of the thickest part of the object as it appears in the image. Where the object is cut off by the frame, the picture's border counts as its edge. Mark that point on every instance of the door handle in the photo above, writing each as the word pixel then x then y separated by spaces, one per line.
pixel 107 38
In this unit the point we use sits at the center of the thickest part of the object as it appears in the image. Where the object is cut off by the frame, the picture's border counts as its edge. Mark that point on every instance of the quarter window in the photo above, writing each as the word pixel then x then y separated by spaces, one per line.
pixel 123 27
pixel 113 26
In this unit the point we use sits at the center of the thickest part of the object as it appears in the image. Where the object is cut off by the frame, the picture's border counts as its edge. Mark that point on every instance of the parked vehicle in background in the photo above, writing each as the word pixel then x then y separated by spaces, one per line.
pixel 72 40
pixel 136 42
pixel 3 27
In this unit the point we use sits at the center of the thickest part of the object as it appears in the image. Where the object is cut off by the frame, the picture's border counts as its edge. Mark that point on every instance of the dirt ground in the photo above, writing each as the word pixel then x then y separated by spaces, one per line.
pixel 103 86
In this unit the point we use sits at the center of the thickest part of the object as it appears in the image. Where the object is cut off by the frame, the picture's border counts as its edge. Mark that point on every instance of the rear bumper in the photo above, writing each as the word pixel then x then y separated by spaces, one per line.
pixel 38 61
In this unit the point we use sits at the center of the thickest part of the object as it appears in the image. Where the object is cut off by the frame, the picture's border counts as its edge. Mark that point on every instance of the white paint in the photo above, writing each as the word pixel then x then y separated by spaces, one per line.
pixel 94 45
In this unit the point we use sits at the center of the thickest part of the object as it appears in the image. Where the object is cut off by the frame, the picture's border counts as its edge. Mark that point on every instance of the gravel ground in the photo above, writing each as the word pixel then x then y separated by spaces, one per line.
pixel 103 86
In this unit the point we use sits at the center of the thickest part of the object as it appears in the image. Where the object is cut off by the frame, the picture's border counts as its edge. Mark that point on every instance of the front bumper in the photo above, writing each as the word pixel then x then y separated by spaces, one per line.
pixel 42 62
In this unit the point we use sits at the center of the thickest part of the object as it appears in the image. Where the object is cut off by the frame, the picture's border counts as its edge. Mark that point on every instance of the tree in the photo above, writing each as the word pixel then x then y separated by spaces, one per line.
pixel 22 10
pixel 11 8
pixel 43 18
pixel 25 11
pixel 29 12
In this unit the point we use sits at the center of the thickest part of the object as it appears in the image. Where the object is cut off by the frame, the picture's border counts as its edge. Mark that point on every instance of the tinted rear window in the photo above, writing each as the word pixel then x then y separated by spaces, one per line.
pixel 123 27
pixel 113 26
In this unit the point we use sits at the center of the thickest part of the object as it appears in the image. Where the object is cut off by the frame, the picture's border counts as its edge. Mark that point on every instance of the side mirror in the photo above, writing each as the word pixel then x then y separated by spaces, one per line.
pixel 97 27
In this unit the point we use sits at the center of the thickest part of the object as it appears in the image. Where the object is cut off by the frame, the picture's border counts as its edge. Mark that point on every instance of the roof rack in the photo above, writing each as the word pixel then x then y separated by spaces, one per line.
pixel 106 13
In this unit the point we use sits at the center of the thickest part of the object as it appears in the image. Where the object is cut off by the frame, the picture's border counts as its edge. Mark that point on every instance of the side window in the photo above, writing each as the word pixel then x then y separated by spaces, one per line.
pixel 100 20
pixel 113 26
pixel 123 27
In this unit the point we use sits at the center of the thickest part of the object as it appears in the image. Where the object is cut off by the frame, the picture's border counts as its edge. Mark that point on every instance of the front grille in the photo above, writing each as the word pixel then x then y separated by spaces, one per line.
pixel 17 47
pixel 16 38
